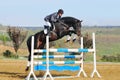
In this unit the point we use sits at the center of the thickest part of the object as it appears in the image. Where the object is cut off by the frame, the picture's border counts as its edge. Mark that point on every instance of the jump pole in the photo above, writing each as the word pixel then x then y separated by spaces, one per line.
pixel 47 60
pixel 94 58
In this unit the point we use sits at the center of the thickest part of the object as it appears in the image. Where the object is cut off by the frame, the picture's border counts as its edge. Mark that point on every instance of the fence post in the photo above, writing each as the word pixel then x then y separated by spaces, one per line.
pixel 47 60
pixel 94 58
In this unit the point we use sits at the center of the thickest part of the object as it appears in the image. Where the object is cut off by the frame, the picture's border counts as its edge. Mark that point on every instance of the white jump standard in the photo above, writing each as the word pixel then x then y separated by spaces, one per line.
pixel 48 63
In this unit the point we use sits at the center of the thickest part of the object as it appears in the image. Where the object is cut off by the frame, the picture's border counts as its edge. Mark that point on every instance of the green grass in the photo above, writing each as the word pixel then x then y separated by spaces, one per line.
pixel 107 41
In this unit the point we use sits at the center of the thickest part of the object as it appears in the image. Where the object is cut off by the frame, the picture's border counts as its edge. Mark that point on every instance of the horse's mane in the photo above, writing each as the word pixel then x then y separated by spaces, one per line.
pixel 62 23
pixel 70 19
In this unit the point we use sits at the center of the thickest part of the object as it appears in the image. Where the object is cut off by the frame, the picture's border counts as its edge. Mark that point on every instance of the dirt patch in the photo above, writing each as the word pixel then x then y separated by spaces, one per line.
pixel 15 70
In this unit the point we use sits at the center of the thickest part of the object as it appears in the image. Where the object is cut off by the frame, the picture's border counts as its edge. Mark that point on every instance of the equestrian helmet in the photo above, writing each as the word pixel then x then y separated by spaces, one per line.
pixel 61 11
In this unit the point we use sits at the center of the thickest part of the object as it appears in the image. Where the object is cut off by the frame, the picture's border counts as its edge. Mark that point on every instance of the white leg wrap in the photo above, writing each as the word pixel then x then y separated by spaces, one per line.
pixel 45 31
pixel 69 37
pixel 74 36
pixel 28 64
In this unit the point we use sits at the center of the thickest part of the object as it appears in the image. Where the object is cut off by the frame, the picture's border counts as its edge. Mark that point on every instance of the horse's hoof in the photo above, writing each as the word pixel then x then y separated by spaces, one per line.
pixel 67 41
pixel 27 69
pixel 73 40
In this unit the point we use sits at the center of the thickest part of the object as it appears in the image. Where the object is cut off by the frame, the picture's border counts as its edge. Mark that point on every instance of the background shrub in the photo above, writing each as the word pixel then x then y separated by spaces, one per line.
pixel 115 58
pixel 9 54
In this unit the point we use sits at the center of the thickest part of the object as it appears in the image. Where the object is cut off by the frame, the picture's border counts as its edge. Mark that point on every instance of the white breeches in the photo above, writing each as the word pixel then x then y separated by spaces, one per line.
pixel 47 23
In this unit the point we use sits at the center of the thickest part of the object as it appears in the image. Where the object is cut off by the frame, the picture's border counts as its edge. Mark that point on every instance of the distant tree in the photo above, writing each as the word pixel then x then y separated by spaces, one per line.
pixel 4 39
pixel 87 41
pixel 17 35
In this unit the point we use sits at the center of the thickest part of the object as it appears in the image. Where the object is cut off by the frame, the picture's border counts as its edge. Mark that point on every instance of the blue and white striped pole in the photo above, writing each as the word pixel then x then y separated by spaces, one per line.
pixel 59 56
pixel 56 62
pixel 64 50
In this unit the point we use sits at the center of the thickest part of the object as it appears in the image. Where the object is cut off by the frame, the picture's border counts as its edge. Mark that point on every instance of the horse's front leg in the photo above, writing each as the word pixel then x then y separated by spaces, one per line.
pixel 68 38
pixel 73 34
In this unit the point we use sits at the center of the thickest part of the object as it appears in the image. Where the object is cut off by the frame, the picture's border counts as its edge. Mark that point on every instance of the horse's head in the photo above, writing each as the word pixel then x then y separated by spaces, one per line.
pixel 73 22
pixel 77 27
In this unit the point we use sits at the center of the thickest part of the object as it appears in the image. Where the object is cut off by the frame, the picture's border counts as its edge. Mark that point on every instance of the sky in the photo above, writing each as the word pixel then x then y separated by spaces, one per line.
pixel 32 12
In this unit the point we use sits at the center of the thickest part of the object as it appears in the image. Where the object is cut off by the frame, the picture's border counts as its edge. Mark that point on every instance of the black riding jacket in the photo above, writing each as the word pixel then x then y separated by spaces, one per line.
pixel 52 17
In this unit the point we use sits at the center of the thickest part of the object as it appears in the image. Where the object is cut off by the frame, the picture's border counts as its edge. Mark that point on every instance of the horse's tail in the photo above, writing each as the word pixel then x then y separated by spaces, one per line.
pixel 29 46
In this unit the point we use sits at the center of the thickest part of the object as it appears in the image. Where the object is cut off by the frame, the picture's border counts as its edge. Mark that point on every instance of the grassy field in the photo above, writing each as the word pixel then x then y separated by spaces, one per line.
pixel 107 41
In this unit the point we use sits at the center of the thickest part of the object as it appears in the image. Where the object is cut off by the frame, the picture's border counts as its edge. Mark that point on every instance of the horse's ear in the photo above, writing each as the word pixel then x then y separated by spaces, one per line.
pixel 77 21
pixel 81 20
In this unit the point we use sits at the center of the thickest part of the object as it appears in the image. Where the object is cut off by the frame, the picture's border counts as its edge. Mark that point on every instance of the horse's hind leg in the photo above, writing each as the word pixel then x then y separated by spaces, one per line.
pixel 28 63
pixel 29 56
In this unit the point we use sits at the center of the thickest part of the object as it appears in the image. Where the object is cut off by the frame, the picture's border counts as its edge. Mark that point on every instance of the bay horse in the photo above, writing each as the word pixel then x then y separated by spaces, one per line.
pixel 61 30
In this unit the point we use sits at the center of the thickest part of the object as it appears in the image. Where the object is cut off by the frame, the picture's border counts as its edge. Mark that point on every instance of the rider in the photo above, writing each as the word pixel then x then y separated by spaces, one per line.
pixel 51 19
